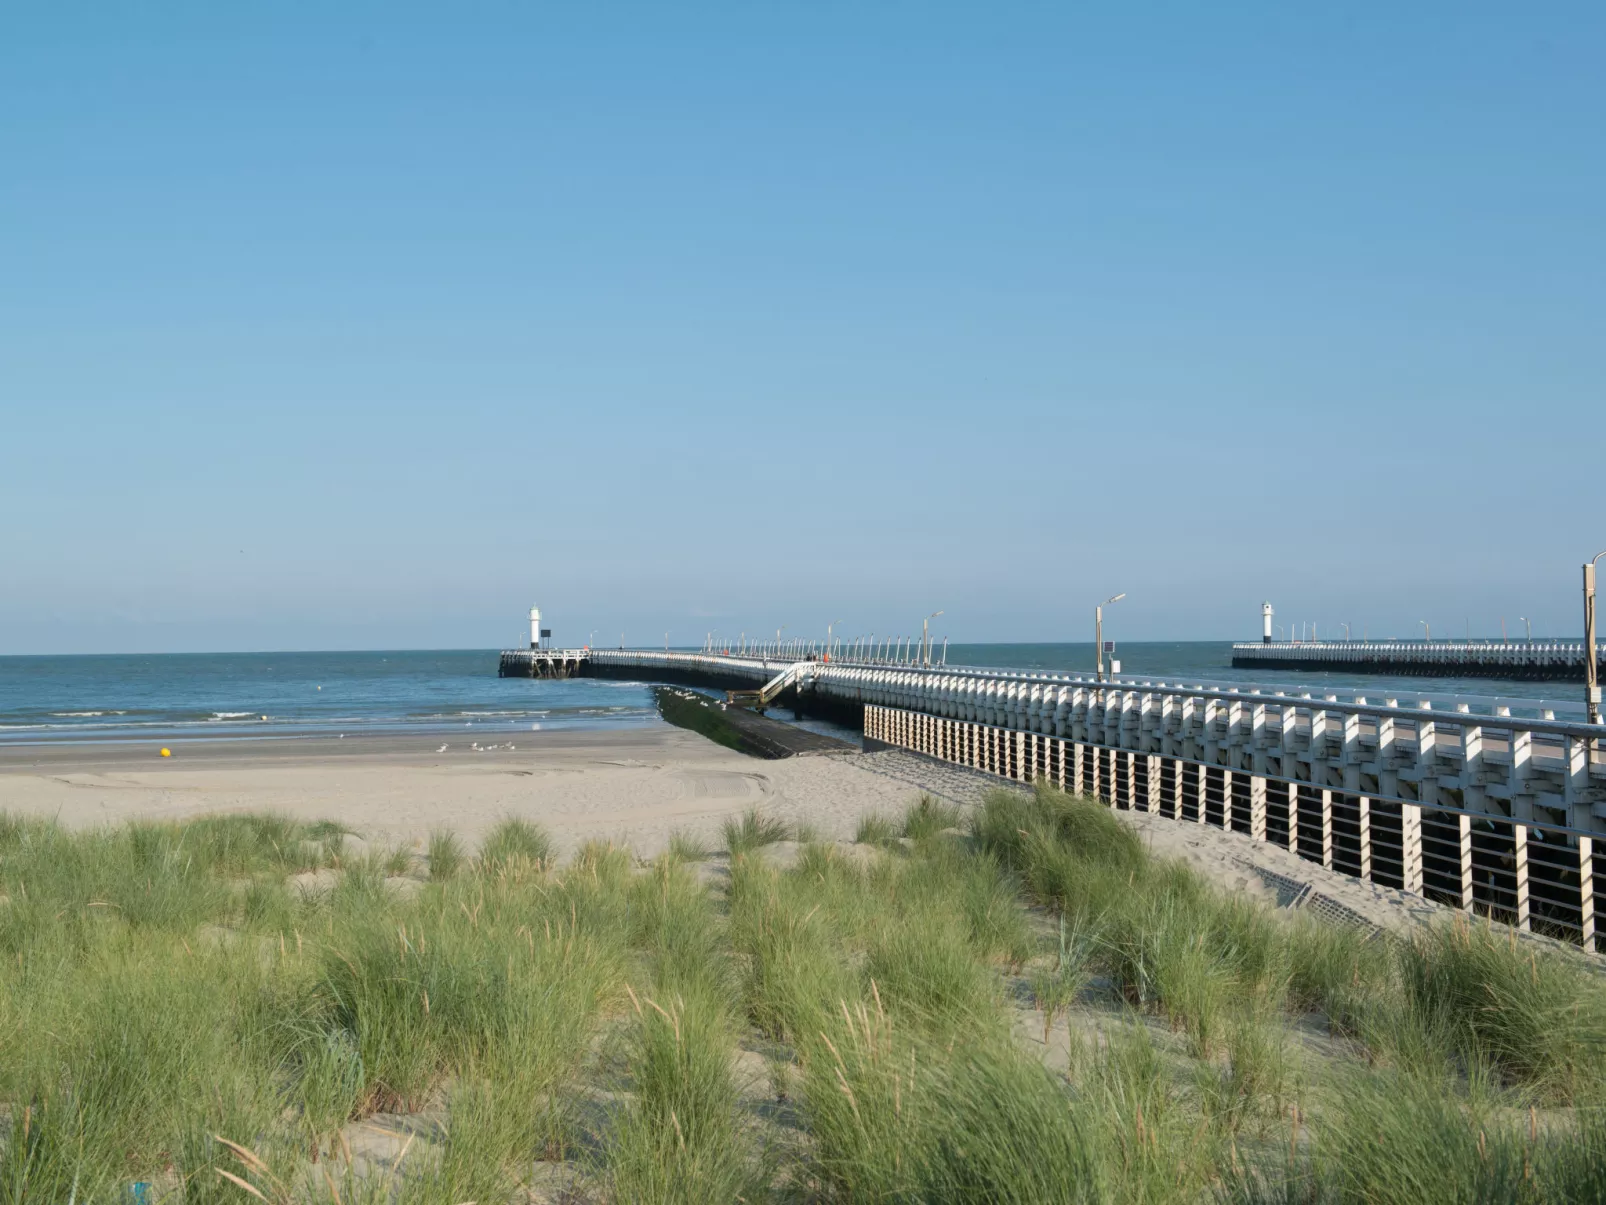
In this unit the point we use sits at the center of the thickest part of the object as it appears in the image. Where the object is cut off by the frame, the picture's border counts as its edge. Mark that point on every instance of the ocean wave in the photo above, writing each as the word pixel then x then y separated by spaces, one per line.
pixel 236 715
pixel 77 714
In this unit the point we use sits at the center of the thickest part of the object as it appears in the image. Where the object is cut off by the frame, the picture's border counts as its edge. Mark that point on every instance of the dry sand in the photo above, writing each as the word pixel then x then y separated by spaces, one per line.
pixel 633 785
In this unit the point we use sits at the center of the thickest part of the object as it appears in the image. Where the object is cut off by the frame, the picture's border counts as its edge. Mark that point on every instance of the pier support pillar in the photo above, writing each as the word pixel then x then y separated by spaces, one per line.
pixel 1586 893
pixel 1363 816
pixel 1411 847
pixel 1293 819
pixel 1257 808
pixel 1152 797
pixel 1519 856
pixel 1203 780
pixel 1077 785
pixel 1327 828
pixel 1178 769
pixel 1464 831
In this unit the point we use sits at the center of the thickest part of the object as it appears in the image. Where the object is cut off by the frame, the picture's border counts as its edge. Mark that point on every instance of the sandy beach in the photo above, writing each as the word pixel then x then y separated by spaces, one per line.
pixel 634 785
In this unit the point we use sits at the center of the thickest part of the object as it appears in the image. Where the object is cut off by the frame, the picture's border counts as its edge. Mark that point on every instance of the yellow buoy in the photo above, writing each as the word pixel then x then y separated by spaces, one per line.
pixel 167 753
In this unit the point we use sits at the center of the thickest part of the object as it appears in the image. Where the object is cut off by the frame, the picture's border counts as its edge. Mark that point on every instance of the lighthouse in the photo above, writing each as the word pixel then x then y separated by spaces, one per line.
pixel 1265 623
pixel 535 627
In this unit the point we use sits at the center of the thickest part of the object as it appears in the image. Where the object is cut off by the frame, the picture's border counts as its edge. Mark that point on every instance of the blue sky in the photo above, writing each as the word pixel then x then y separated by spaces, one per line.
pixel 368 325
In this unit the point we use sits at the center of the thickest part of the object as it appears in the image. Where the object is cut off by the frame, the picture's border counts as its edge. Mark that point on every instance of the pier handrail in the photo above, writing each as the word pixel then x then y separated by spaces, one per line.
pixel 828 674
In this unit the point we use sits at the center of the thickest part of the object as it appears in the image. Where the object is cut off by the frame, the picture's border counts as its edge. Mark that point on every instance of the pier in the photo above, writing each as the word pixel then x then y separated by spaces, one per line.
pixel 1493 806
pixel 1526 660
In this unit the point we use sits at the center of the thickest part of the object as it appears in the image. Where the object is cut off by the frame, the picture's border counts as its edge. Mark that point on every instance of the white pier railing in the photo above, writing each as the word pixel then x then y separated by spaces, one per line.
pixel 1468 801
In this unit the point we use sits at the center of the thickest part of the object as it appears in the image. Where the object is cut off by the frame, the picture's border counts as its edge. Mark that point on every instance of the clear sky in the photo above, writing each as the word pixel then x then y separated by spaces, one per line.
pixel 337 325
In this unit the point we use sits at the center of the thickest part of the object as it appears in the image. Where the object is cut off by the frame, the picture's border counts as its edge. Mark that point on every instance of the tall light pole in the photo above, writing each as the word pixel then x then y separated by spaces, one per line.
pixel 828 628
pixel 1591 679
pixel 1528 623
pixel 1427 631
pixel 925 638
pixel 778 632
pixel 1098 629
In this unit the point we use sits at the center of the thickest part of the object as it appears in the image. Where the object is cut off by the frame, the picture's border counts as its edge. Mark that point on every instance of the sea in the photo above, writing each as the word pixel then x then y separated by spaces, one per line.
pixel 266 696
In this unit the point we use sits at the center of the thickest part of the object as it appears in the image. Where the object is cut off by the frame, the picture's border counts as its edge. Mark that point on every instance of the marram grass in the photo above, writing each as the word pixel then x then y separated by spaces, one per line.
pixel 1017 1005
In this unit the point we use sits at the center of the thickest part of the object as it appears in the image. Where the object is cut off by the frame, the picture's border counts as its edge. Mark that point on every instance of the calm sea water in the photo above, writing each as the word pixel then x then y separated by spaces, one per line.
pixel 258 695
pixel 264 695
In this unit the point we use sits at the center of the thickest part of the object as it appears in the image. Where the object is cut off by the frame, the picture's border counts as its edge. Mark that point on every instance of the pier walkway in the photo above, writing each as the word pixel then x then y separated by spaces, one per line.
pixel 1474 803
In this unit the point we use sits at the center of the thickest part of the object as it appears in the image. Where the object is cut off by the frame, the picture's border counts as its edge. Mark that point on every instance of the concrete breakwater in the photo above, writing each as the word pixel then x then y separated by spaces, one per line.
pixel 1527 660
pixel 1463 802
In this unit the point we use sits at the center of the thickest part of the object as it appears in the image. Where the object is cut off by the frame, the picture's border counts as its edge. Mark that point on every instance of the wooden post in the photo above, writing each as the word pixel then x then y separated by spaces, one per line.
pixel 1464 830
pixel 1257 806
pixel 1586 893
pixel 1327 828
pixel 1519 852
pixel 1178 769
pixel 1226 801
pixel 1078 785
pixel 1203 780
pixel 1152 796
pixel 1411 847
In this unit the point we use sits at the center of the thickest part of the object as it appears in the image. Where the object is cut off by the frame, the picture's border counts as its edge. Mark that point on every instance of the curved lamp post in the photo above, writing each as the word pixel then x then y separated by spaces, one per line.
pixel 1098 629
pixel 925 638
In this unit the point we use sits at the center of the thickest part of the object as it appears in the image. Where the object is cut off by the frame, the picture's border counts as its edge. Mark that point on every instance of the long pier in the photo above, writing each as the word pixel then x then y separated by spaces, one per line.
pixel 1530 660
pixel 1487 805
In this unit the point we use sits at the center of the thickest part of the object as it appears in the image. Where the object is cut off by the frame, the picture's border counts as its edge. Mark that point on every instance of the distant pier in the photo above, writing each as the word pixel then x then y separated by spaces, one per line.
pixel 1524 660
pixel 543 663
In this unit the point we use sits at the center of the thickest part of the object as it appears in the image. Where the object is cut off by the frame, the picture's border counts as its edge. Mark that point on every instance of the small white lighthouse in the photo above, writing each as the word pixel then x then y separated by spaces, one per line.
pixel 1265 623
pixel 535 627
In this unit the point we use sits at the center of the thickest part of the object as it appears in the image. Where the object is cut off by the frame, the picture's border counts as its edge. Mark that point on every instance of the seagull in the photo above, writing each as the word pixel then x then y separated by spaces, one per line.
pixel 442 749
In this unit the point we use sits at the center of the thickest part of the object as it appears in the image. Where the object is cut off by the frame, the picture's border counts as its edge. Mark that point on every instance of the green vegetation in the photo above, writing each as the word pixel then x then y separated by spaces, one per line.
pixel 1020 1005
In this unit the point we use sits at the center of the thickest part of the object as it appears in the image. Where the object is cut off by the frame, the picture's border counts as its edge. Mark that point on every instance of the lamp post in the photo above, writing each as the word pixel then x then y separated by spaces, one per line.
pixel 1427 631
pixel 1098 629
pixel 1591 680
pixel 778 632
pixel 828 628
pixel 1528 625
pixel 925 638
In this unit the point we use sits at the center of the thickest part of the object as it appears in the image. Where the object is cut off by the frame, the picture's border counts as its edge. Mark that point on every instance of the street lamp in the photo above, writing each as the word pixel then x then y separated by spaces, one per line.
pixel 1098 629
pixel 828 628
pixel 925 638
pixel 591 639
pixel 1528 623
pixel 1591 680
pixel 1427 631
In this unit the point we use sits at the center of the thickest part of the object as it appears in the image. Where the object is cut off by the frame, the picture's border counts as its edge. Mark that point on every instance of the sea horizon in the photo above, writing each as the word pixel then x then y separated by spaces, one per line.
pixel 265 695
